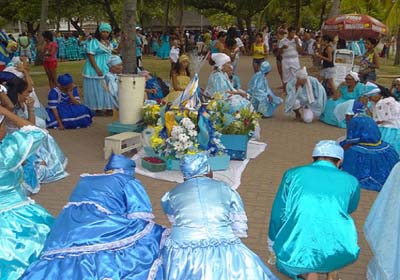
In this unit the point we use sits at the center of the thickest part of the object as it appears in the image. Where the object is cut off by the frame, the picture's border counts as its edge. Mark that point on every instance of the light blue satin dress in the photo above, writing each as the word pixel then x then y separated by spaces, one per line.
pixel 260 91
pixel 381 230
pixel 310 224
pixel 317 107
pixel 106 231
pixel 24 224
pixel 219 82
pixel 207 219
pixel 48 164
pixel 328 115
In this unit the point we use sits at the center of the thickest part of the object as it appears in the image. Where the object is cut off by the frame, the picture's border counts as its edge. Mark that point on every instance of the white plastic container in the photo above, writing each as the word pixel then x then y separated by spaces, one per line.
pixel 131 98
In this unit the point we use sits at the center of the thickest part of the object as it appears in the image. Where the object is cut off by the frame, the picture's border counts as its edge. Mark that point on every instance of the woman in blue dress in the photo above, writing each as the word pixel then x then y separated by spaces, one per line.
pixel 48 163
pixel 64 107
pixel 106 231
pixel 351 89
pixel 208 220
pixel 24 224
pixel 366 156
pixel 219 83
pixel 386 113
pixel 165 48
pixel 98 51
pixel 263 99
pixel 61 47
pixel 381 231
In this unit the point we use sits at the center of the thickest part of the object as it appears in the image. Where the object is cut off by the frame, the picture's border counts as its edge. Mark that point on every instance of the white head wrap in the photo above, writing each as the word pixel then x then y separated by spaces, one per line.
pixel 328 148
pixel 354 75
pixel 302 73
pixel 220 59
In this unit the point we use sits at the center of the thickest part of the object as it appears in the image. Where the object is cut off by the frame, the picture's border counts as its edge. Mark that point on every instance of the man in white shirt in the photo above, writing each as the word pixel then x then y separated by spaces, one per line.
pixel 290 48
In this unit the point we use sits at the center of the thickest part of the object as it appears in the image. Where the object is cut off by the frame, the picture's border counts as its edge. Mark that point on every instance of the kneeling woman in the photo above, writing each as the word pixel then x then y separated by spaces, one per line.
pixel 366 156
pixel 64 107
pixel 106 231
pixel 262 97
pixel 208 220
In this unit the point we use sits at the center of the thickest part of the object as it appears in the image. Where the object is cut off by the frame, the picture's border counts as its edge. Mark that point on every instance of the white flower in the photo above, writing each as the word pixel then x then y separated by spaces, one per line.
pixel 192 133
pixel 178 146
pixel 183 137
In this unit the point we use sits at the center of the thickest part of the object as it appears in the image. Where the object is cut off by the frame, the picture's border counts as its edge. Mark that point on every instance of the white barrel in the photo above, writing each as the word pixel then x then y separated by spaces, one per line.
pixel 131 98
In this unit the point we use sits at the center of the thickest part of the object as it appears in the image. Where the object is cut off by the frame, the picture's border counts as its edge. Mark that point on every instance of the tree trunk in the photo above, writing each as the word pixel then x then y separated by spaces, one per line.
pixel 249 30
pixel 397 56
pixel 297 15
pixel 335 8
pixel 166 15
pixel 129 37
pixel 43 27
pixel 240 24
pixel 181 9
pixel 323 11
pixel 75 24
pixel 110 13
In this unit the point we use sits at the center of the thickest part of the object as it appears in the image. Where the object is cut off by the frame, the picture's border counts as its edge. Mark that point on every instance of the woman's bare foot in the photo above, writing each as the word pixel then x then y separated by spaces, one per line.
pixel 333 275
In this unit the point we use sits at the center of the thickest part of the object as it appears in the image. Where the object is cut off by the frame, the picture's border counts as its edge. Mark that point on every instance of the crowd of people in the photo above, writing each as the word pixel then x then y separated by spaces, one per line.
pixel 107 229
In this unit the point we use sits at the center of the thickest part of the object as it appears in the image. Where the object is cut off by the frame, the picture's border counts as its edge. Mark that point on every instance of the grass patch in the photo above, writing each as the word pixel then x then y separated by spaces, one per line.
pixel 155 66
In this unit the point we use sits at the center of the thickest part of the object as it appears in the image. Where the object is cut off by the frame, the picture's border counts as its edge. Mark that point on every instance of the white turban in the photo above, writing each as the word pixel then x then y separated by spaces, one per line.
pixel 328 148
pixel 220 59
pixel 354 75
pixel 302 73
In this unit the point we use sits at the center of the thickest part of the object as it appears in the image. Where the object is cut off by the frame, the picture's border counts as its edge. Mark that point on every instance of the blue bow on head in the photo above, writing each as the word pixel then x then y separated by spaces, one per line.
pixel 120 162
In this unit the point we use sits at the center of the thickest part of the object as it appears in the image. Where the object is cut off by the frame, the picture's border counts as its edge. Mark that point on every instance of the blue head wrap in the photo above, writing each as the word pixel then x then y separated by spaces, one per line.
pixel 194 165
pixel 105 27
pixel 121 162
pixel 265 67
pixel 65 79
pixel 358 107
pixel 328 148
pixel 114 60
pixel 371 89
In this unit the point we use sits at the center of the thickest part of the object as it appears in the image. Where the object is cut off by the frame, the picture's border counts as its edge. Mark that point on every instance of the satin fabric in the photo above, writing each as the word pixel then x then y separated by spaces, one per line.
pixel 328 115
pixel 219 82
pixel 318 91
pixel 24 224
pixel 382 230
pixel 369 159
pixel 207 219
pixel 183 82
pixel 105 231
pixel 310 223
pixel 260 92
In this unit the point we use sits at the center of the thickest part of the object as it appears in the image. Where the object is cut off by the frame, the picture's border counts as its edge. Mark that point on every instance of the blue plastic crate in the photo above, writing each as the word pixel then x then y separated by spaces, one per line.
pixel 235 145
pixel 220 162
pixel 117 127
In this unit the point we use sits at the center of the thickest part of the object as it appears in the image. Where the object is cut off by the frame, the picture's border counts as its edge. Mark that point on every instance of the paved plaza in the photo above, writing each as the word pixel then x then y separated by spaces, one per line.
pixel 290 143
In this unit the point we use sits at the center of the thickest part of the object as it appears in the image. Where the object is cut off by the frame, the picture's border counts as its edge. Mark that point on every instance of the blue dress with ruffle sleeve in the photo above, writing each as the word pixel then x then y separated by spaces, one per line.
pixel 208 219
pixel 106 231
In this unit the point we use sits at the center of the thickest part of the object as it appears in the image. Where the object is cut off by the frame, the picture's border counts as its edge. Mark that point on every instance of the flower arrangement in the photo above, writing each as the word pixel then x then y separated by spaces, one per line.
pixel 240 122
pixel 151 113
pixel 183 140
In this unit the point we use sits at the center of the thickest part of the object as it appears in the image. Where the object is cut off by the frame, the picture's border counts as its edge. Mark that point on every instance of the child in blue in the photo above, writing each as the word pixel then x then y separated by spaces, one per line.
pixel 64 107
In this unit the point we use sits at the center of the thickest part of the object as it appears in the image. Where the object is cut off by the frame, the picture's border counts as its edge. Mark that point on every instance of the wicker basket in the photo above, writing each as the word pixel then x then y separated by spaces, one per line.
pixel 154 167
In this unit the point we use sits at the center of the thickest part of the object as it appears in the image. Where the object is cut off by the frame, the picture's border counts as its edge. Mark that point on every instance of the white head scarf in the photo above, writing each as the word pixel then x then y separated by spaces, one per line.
pixel 354 75
pixel 303 75
pixel 220 59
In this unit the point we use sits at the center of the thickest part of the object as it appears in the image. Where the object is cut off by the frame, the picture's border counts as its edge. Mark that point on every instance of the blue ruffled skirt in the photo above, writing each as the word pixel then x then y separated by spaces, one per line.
pixel 264 106
pixel 212 260
pixel 85 243
pixel 95 94
pixel 72 116
pixel 23 232
pixel 391 136
pixel 371 165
